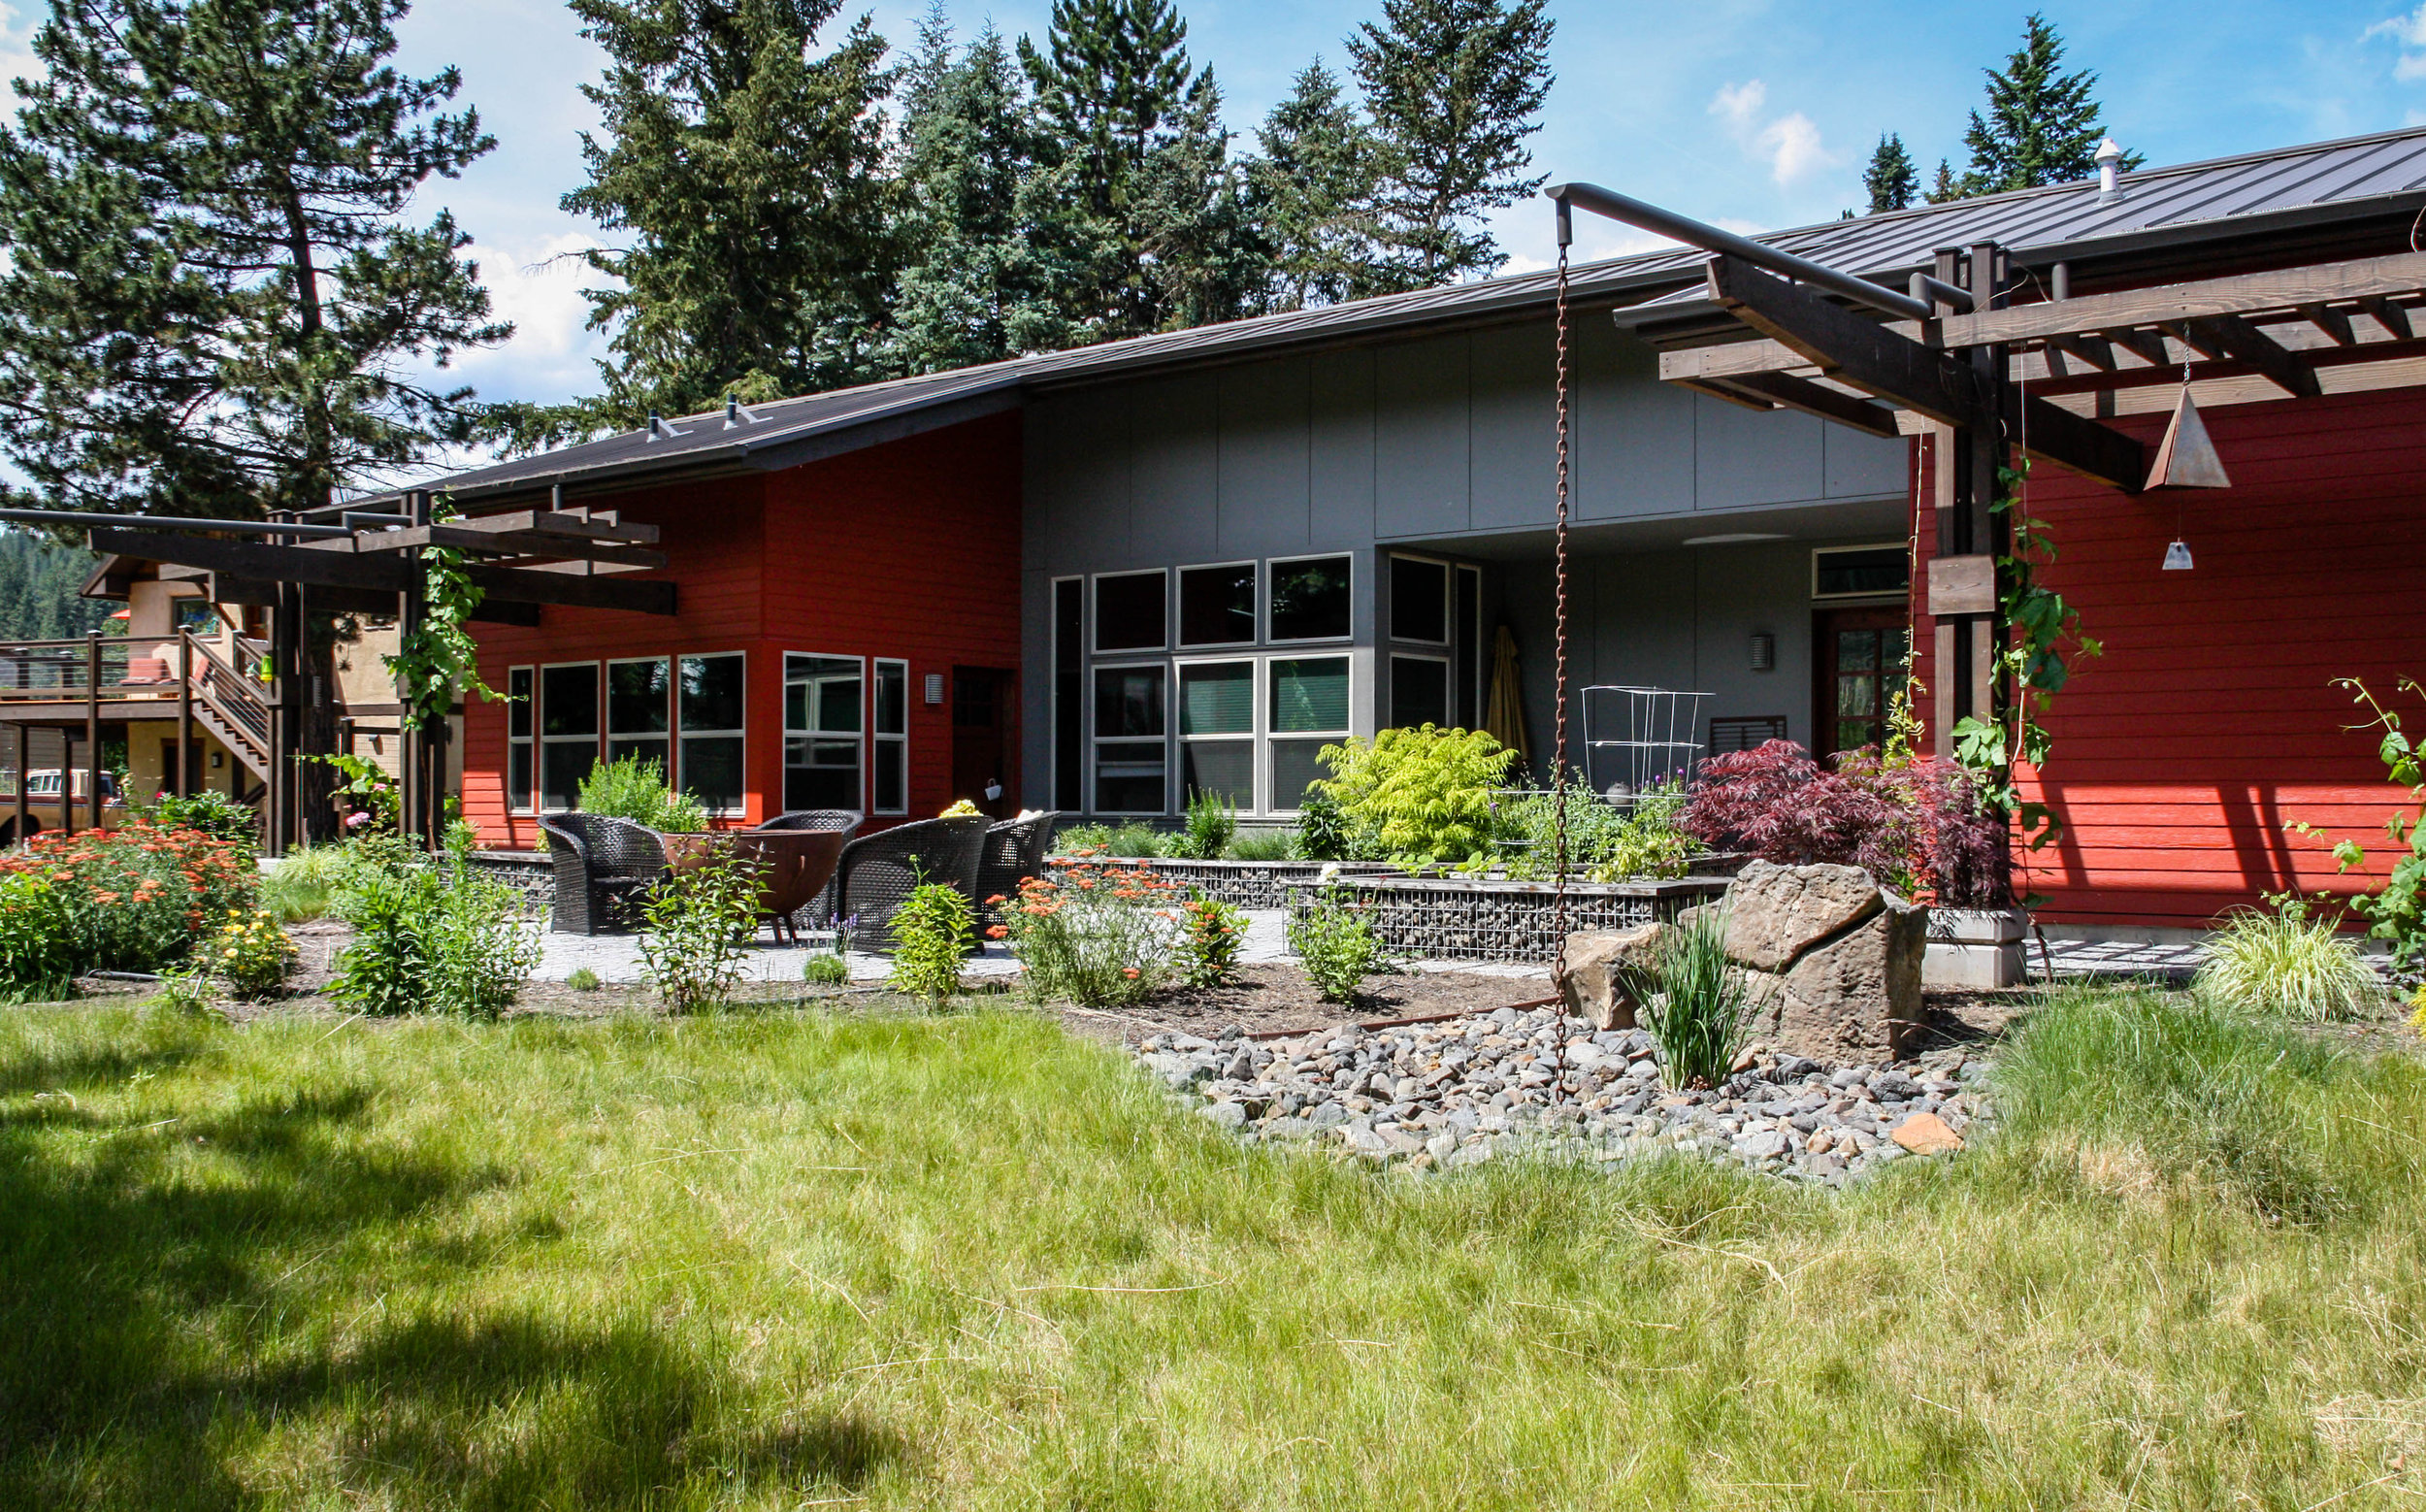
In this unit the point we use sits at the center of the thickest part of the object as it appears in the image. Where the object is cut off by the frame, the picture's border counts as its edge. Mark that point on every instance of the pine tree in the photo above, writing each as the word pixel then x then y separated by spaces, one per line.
pixel 1453 86
pixel 1890 179
pixel 985 222
pixel 210 303
pixel 39 589
pixel 1135 132
pixel 1314 186
pixel 2042 126
pixel 745 171
pixel 1945 187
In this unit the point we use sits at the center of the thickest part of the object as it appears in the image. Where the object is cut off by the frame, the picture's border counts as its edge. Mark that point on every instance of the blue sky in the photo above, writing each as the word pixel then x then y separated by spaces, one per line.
pixel 1754 115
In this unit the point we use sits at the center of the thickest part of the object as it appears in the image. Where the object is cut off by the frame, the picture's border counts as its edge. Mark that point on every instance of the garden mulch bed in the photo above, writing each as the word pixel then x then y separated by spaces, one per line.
pixel 1274 996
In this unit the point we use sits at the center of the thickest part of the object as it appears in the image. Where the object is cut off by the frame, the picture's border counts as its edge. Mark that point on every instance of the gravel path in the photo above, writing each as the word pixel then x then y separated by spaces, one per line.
pixel 1463 1091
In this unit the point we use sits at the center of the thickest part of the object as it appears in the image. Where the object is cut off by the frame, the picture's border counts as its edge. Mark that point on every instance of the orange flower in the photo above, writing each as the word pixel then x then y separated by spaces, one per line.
pixel 999 932
pixel 1130 971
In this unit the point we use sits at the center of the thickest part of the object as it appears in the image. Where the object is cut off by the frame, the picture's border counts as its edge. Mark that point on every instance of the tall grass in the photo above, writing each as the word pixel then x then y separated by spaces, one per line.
pixel 302 885
pixel 774 1261
pixel 2287 962
pixel 1697 1006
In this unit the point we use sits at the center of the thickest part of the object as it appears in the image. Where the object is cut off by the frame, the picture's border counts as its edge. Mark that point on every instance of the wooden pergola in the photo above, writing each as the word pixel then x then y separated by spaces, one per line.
pixel 371 563
pixel 1987 365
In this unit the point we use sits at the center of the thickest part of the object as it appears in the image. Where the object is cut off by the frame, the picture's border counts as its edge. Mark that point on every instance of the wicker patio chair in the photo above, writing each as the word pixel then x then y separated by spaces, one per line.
pixel 1015 851
pixel 876 871
pixel 844 819
pixel 600 866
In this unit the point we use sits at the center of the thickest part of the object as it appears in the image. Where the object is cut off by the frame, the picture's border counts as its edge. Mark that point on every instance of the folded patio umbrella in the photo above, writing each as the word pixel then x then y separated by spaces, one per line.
pixel 1504 715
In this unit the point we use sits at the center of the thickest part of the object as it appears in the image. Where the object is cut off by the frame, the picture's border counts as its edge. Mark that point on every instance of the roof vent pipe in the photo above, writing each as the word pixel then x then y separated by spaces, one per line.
pixel 2109 159
pixel 656 427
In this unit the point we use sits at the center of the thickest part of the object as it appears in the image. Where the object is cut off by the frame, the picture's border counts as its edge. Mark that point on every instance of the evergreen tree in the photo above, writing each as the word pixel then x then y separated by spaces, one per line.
pixel 1945 187
pixel 208 302
pixel 39 589
pixel 1135 132
pixel 2041 125
pixel 1453 86
pixel 747 175
pixel 985 223
pixel 1890 179
pixel 1314 186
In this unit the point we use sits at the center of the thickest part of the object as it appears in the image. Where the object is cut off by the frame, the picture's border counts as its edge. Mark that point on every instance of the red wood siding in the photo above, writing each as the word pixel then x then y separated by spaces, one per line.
pixel 908 549
pixel 2211 722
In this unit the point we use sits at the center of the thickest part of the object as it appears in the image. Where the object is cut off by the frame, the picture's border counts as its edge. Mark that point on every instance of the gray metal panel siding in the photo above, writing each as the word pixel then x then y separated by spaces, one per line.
pixel 1340 455
pixel 1174 462
pixel 1745 456
pixel 1632 444
pixel 1513 464
pixel 1858 466
pixel 1090 468
pixel 1266 468
pixel 1421 430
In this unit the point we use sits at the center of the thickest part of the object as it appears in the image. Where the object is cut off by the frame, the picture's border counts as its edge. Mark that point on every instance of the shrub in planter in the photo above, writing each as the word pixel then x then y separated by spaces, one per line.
pixel 1421 795
pixel 1212 824
pixel 635 788
pixel 1914 825
pixel 932 931
pixel 1100 937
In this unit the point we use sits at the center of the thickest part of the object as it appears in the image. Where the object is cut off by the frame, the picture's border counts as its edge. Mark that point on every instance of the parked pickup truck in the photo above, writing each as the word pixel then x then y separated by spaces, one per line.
pixel 42 803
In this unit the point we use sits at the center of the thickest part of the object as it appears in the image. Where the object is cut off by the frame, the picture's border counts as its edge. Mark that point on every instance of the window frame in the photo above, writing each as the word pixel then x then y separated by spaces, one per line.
pixel 530 741
pixel 859 737
pixel 543 739
pixel 1448 686
pixel 1267 593
pixel 607 708
pixel 1880 594
pixel 1178 615
pixel 1448 601
pixel 1175 719
pixel 1056 713
pixel 1095 741
pixel 877 736
pixel 679 732
pixel 1267 782
pixel 1094 615
pixel 1469 644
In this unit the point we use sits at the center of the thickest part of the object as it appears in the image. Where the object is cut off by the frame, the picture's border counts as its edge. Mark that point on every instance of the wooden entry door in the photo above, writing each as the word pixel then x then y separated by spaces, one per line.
pixel 984 752
pixel 1861 667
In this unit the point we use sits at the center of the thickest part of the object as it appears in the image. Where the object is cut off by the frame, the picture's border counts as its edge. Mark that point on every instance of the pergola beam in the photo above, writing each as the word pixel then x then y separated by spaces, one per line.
pixel 2230 335
pixel 384 571
pixel 2245 294
pixel 1828 404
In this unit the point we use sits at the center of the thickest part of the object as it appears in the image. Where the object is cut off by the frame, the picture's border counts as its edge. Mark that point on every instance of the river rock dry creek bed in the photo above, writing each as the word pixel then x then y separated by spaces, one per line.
pixel 1465 1089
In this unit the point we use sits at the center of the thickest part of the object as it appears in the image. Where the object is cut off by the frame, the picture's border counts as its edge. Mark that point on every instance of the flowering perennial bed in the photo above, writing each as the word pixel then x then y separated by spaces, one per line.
pixel 127 899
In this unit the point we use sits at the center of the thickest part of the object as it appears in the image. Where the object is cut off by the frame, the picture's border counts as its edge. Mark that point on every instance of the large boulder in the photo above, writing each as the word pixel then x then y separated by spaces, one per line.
pixel 1853 997
pixel 1594 985
pixel 1775 913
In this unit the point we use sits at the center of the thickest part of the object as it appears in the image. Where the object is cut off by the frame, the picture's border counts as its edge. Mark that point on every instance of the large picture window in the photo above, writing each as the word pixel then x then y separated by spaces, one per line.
pixel 709 708
pixel 1217 731
pixel 1312 598
pixel 521 684
pixel 1217 604
pixel 639 712
pixel 1130 753
pixel 1310 705
pixel 1131 611
pixel 568 731
pixel 822 701
pixel 1419 599
pixel 892 744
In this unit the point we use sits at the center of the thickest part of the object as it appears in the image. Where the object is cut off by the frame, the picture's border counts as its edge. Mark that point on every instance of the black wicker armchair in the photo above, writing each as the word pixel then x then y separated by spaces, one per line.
pixel 876 871
pixel 1015 851
pixel 600 866
pixel 845 819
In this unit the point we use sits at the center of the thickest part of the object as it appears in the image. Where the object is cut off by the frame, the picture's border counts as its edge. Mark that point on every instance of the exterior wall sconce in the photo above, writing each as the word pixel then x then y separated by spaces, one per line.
pixel 935 687
pixel 1764 656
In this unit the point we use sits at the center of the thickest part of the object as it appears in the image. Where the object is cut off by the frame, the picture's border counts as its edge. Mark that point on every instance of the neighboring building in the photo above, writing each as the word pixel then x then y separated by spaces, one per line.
pixel 1105 577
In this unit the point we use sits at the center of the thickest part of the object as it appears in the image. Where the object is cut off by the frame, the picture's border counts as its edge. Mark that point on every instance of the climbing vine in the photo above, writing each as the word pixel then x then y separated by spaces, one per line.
pixel 436 656
pixel 2046 633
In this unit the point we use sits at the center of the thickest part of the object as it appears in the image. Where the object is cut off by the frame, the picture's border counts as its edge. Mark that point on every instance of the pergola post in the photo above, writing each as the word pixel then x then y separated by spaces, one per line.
pixel 92 736
pixel 185 711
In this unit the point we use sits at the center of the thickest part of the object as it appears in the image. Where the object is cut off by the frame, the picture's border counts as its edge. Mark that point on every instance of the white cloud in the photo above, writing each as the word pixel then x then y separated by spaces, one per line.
pixel 2409 33
pixel 538 288
pixel 1788 143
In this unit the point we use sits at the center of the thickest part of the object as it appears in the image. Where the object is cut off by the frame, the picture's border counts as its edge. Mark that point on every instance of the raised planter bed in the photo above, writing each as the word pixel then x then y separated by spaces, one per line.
pixel 1454 919
pixel 1241 884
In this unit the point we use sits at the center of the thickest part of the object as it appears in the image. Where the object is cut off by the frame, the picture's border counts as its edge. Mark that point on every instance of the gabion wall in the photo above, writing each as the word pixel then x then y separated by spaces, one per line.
pixel 1500 921
pixel 528 873
pixel 1241 884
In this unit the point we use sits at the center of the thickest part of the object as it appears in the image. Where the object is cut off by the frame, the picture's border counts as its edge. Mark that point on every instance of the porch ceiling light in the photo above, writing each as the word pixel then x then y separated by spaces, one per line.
pixel 1734 538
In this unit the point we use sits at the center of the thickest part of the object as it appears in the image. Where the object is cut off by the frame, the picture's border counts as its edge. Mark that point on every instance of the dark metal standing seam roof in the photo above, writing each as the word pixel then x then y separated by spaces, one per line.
pixel 2356 177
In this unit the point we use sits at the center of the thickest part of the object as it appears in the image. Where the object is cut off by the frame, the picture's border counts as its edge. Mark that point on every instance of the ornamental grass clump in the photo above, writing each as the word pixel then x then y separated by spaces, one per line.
pixel 1212 824
pixel 2288 963
pixel 1696 1005
pixel 1102 937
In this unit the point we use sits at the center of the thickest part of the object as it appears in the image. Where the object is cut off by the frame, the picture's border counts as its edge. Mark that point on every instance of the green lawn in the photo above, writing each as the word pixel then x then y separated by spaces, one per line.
pixel 779 1260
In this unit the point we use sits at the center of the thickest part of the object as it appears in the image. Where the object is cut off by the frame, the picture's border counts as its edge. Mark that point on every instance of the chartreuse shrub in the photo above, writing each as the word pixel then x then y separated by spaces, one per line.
pixel 1420 795
pixel 2287 961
